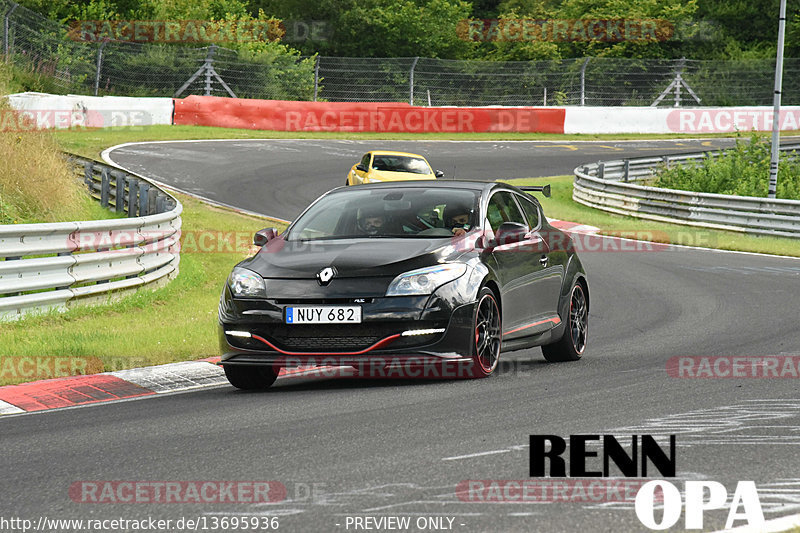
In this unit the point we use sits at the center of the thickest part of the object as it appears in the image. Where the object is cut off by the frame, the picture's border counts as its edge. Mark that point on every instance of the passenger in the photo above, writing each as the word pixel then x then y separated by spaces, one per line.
pixel 458 218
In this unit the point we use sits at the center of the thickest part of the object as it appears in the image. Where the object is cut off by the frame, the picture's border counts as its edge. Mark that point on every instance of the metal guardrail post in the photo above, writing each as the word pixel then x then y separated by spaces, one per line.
pixel 411 81
pixel 143 189
pixel 105 185
pixel 6 30
pixel 666 161
pixel 626 168
pixel 119 191
pixel 133 185
pixel 601 170
pixel 152 193
pixel 87 174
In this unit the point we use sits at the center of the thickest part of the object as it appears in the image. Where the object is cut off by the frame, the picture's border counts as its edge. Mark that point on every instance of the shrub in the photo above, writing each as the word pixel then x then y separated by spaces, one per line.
pixel 742 170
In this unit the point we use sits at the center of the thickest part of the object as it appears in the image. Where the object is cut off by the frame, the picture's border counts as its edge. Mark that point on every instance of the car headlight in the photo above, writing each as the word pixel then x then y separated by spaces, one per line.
pixel 425 280
pixel 246 284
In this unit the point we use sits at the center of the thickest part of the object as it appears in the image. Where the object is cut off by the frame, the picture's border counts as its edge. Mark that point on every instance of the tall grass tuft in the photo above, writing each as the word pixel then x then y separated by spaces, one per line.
pixel 742 170
pixel 36 184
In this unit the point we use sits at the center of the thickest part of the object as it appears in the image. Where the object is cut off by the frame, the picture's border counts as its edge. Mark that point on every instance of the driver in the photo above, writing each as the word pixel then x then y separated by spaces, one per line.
pixel 458 218
pixel 371 221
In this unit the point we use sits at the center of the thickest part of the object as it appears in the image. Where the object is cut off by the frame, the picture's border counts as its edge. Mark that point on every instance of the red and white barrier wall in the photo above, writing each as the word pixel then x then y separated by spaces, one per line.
pixel 696 120
pixel 42 110
pixel 390 117
pixel 363 116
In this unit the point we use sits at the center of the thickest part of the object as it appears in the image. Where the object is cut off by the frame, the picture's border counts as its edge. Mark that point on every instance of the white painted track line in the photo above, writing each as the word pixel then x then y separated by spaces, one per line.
pixel 784 523
pixel 8 409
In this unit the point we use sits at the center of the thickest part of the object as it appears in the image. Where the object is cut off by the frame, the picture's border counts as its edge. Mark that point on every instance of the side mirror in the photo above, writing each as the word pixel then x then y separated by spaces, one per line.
pixel 510 232
pixel 265 235
pixel 361 167
pixel 438 173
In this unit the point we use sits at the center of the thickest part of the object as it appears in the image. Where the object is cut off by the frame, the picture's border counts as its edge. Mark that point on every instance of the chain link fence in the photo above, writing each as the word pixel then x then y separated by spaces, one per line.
pixel 41 48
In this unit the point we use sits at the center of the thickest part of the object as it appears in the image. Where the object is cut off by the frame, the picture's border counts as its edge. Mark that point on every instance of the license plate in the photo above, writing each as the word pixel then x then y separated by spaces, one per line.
pixel 323 314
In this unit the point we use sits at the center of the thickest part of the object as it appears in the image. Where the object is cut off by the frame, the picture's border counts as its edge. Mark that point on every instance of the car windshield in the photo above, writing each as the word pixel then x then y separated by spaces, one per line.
pixel 404 212
pixel 400 163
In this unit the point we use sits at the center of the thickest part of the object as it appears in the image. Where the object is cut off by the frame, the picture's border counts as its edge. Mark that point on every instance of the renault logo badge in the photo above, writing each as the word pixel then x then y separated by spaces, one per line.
pixel 325 275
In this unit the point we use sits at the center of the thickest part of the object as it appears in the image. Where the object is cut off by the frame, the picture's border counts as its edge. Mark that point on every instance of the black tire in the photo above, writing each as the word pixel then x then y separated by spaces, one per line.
pixel 251 377
pixel 572 344
pixel 347 182
pixel 488 335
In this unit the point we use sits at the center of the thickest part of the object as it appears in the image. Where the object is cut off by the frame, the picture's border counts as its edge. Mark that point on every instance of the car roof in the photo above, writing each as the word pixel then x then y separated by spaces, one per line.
pixel 439 184
pixel 391 152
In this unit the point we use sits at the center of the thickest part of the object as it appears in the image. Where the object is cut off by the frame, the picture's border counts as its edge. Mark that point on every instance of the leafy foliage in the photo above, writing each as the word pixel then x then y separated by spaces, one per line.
pixel 742 170
pixel 697 29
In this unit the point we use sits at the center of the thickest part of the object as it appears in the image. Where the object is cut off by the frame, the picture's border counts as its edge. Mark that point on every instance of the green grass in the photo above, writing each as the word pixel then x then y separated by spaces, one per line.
pixel 90 142
pixel 562 207
pixel 174 323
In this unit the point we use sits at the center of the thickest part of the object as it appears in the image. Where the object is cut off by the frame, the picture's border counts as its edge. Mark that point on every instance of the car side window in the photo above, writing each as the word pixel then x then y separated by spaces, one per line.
pixel 531 211
pixel 503 208
pixel 365 160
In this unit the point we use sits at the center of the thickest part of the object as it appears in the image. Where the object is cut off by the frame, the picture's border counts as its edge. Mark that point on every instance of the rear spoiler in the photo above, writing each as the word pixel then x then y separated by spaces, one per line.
pixel 544 189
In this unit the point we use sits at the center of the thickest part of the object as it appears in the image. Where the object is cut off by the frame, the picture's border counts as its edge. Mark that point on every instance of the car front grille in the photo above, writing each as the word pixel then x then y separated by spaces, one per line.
pixel 343 337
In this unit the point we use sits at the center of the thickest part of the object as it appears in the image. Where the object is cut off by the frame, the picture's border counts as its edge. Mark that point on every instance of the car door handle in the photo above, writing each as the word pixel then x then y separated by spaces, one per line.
pixel 543 260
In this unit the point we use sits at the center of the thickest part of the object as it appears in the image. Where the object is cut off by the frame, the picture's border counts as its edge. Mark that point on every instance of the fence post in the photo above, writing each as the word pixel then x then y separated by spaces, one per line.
pixel 583 80
pixel 6 30
pixel 316 78
pixel 209 66
pixel 99 66
pixel 411 81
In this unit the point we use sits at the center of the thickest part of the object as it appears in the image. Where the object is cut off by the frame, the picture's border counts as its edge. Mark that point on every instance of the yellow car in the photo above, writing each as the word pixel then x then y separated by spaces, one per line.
pixel 380 165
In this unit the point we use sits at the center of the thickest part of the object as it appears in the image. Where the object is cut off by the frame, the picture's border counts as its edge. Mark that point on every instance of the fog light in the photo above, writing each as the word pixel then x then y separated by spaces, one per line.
pixel 411 332
pixel 234 333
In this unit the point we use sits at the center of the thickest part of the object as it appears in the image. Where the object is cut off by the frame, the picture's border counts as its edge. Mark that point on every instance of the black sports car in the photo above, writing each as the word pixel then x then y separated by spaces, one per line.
pixel 422 276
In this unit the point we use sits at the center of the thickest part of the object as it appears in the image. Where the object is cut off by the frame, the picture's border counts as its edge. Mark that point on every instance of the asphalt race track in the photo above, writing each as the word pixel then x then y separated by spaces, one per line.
pixel 281 177
pixel 400 448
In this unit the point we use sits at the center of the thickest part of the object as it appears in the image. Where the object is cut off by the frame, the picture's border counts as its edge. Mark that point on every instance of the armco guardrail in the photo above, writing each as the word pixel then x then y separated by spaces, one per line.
pixel 610 186
pixel 57 265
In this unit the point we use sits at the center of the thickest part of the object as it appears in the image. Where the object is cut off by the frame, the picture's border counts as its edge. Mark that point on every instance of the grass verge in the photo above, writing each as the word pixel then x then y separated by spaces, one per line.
pixel 561 206
pixel 174 323
pixel 36 183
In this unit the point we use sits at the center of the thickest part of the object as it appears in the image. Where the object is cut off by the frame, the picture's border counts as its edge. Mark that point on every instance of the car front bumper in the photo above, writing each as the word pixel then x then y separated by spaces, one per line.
pixel 393 330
